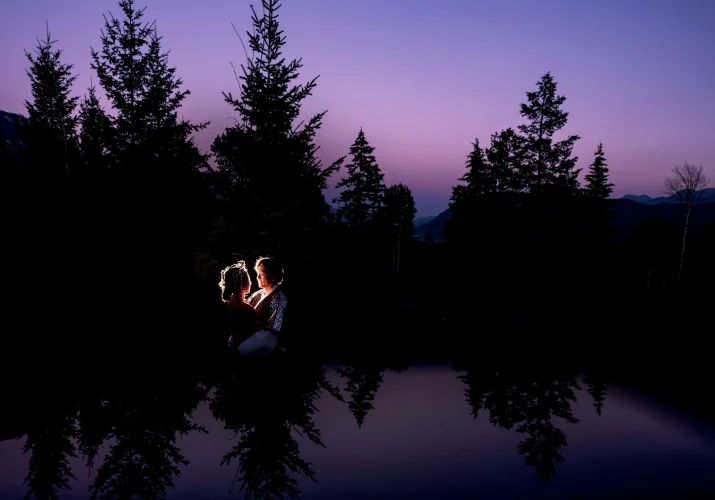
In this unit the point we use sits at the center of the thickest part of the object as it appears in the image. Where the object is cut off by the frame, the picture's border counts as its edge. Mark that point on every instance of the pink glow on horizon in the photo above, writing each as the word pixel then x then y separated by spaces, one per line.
pixel 424 82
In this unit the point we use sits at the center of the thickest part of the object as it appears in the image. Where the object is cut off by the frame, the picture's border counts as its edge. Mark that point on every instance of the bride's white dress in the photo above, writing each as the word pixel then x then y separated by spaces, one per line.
pixel 259 344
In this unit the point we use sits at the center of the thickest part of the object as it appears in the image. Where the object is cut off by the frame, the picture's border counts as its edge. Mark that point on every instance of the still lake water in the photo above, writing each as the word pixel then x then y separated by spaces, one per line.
pixel 429 431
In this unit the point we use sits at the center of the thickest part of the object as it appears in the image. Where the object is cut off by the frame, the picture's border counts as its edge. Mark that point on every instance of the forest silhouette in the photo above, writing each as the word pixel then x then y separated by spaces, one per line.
pixel 114 210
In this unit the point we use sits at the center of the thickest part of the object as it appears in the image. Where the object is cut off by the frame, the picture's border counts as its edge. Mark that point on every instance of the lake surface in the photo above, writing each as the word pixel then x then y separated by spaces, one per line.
pixel 335 431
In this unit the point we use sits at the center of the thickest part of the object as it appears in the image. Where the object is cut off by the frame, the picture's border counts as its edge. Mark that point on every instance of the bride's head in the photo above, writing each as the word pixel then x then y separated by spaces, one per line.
pixel 235 282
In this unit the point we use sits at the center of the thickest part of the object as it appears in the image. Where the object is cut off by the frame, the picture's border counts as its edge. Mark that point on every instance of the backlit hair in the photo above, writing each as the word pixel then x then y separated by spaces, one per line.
pixel 234 279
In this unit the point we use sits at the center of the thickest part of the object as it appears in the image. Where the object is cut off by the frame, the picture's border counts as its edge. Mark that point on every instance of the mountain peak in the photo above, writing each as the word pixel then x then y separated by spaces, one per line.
pixel 636 197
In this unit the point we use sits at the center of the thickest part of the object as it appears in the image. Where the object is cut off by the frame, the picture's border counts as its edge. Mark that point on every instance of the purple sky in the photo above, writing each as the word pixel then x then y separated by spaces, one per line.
pixel 424 81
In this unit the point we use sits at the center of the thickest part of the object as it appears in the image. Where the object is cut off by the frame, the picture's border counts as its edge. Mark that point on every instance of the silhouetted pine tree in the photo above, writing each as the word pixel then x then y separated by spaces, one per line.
pixel 504 156
pixel 501 225
pixel 597 185
pixel 399 210
pixel 267 167
pixel 157 191
pixel 479 178
pixel 476 183
pixel 598 241
pixel 363 189
pixel 150 142
pixel 551 178
pixel 50 131
pixel 40 192
pixel 94 135
pixel 397 221
pixel 548 165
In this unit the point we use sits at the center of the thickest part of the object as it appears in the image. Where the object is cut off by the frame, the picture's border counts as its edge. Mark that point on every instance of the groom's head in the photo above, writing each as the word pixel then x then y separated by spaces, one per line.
pixel 269 272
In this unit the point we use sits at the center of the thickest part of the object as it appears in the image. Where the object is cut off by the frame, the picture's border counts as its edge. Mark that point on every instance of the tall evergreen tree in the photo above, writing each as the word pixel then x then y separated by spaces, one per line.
pixel 480 225
pixel 50 131
pixel 548 165
pixel 363 189
pixel 267 167
pixel 504 155
pixel 94 135
pixel 597 185
pixel 598 242
pixel 40 210
pixel 156 197
pixel 399 210
pixel 145 94
pixel 478 179
pixel 468 199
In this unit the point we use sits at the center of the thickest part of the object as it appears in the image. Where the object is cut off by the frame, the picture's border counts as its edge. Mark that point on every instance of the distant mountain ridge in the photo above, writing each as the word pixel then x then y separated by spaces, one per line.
pixel 420 221
pixel 627 215
pixel 8 124
pixel 708 196
pixel 433 227
pixel 9 131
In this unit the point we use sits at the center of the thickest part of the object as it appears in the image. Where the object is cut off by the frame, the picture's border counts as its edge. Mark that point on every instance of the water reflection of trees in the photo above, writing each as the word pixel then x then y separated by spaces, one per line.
pixel 362 381
pixel 596 384
pixel 50 445
pixel 526 402
pixel 138 424
pixel 126 432
pixel 266 404
pixel 363 376
pixel 143 461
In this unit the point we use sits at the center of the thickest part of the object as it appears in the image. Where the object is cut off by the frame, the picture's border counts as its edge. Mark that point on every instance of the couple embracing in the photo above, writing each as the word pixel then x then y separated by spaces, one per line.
pixel 255 322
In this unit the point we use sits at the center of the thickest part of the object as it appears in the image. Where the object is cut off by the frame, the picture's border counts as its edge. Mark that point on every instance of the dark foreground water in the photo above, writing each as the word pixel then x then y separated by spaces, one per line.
pixel 349 432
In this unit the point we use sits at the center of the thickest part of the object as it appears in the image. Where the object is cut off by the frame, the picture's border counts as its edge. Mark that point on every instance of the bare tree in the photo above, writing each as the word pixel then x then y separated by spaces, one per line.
pixel 686 186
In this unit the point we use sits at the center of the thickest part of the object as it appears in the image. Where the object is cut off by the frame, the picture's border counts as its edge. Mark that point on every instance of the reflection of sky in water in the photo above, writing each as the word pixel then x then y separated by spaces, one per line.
pixel 420 439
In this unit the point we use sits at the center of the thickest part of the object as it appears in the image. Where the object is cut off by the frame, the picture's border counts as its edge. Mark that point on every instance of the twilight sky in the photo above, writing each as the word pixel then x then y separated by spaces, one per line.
pixel 425 77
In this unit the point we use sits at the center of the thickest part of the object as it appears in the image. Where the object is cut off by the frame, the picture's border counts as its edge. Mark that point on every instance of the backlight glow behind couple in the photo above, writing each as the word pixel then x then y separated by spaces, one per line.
pixel 255 322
